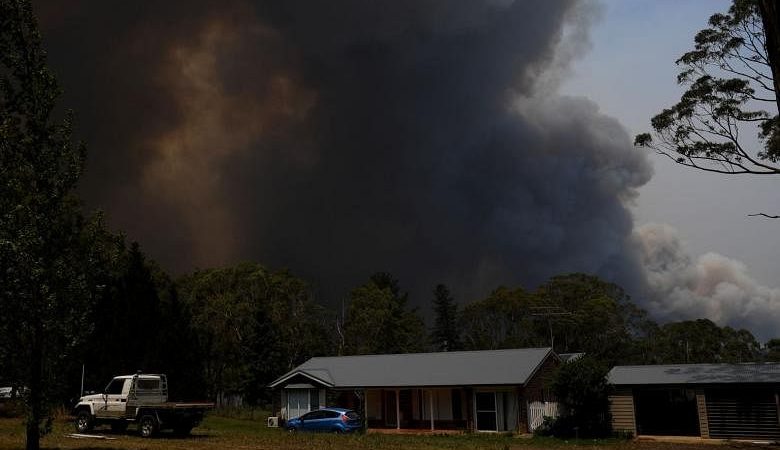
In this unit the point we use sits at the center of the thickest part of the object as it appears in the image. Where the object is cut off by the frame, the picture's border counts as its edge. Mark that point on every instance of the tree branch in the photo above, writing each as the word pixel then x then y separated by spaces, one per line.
pixel 764 215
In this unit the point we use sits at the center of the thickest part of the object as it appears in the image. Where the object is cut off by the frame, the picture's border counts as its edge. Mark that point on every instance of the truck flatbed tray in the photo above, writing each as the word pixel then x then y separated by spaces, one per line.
pixel 177 405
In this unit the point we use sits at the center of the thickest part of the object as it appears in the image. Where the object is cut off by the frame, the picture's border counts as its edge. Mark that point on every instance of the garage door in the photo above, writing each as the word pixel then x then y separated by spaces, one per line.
pixel 745 413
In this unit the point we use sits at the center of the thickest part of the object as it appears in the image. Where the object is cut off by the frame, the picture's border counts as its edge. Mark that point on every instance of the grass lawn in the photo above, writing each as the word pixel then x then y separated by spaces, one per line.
pixel 240 434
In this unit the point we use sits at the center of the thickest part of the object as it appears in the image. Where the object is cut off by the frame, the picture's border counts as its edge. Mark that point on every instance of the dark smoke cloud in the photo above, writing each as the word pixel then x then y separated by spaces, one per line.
pixel 340 138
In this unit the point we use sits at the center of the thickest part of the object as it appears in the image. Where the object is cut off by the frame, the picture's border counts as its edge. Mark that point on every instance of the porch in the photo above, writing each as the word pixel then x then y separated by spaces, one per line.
pixel 444 409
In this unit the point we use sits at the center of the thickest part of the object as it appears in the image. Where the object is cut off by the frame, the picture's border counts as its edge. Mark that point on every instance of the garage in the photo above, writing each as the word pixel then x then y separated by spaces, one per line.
pixel 718 401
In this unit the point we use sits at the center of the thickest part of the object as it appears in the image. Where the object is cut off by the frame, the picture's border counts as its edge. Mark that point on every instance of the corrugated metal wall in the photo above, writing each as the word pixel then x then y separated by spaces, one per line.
pixel 745 413
pixel 621 406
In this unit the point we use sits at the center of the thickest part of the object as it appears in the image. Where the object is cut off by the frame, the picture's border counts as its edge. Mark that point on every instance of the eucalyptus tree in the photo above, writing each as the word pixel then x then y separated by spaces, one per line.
pixel 378 320
pixel 731 91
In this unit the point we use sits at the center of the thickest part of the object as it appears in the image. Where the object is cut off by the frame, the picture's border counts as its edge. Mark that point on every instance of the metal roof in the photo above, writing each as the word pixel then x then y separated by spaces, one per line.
pixel 470 368
pixel 696 374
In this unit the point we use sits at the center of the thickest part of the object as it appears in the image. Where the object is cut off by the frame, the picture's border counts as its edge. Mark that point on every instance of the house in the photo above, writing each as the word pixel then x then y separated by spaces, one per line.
pixel 726 401
pixel 495 390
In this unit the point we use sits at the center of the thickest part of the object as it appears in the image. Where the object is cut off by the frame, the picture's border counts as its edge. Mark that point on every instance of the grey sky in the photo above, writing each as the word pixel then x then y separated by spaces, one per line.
pixel 630 73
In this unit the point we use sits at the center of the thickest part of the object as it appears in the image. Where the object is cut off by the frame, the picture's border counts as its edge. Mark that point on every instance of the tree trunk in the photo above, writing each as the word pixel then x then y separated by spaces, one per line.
pixel 770 17
pixel 35 416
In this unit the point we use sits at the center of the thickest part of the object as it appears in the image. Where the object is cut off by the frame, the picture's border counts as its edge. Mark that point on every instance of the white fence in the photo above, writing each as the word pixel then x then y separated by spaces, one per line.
pixel 537 411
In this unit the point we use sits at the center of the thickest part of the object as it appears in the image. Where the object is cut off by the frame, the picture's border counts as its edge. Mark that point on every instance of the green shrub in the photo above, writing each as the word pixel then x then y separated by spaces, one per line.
pixel 582 392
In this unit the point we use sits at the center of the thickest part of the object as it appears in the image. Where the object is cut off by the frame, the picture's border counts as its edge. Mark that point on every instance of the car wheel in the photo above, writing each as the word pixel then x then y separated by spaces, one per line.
pixel 337 431
pixel 84 422
pixel 147 426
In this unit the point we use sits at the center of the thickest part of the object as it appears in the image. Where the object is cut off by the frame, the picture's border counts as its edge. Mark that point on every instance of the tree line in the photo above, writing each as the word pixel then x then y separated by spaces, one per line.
pixel 226 333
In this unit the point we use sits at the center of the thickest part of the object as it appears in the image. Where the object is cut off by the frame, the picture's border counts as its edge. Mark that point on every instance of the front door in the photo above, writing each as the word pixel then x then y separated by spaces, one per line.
pixel 485 403
pixel 390 409
pixel 297 402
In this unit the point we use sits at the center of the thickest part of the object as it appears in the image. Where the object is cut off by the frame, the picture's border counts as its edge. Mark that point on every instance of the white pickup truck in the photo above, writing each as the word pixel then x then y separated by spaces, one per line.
pixel 140 399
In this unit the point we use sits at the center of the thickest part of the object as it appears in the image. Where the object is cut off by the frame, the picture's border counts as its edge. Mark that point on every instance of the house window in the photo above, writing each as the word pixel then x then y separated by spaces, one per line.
pixel 485 403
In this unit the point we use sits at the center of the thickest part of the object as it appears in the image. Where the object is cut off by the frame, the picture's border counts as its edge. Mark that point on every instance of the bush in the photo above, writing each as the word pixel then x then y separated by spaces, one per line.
pixel 582 391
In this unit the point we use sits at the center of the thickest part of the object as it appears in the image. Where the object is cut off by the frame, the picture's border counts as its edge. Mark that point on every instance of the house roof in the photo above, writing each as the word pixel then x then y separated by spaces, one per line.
pixel 471 368
pixel 696 374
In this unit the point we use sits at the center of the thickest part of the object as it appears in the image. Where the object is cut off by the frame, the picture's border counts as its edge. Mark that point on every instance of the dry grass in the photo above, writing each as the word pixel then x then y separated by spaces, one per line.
pixel 240 434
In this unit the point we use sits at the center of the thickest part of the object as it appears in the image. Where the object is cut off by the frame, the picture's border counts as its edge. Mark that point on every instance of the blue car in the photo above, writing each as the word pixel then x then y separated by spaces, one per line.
pixel 327 420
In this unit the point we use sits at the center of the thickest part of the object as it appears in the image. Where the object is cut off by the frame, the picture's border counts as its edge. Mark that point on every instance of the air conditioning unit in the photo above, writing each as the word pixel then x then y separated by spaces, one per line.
pixel 273 422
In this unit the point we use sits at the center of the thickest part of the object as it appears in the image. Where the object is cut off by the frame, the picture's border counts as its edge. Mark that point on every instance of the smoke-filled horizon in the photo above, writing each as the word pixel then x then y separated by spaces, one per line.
pixel 337 139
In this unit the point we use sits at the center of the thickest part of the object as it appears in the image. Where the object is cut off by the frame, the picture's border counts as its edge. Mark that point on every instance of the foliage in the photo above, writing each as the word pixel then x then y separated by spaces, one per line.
pixel 602 321
pixel 251 325
pixel 445 336
pixel 729 79
pixel 502 320
pixel 582 392
pixel 575 313
pixel 51 256
pixel 702 341
pixel 773 350
pixel 139 323
pixel 378 321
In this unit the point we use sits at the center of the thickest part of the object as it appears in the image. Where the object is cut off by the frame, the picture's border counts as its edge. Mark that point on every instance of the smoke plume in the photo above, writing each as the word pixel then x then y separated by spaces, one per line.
pixel 337 139
pixel 420 137
pixel 711 286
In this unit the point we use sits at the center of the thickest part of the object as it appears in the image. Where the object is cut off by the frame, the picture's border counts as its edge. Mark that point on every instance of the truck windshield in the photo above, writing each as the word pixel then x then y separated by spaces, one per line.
pixel 115 387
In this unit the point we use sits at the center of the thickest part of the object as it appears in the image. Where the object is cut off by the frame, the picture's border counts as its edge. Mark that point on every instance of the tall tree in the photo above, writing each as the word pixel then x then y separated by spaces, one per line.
pixel 445 336
pixel 502 320
pixel 702 341
pixel 49 263
pixel 600 320
pixel 251 325
pixel 730 79
pixel 378 320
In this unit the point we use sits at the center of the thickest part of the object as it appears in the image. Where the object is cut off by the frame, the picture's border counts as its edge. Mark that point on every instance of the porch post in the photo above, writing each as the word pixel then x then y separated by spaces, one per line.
pixel 430 402
pixel 397 409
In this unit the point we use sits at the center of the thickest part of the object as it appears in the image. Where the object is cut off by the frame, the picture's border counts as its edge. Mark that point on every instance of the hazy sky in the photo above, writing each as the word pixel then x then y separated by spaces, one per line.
pixel 630 73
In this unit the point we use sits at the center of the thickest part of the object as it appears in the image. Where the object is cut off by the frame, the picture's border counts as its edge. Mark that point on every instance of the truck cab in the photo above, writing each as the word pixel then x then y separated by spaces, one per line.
pixel 112 403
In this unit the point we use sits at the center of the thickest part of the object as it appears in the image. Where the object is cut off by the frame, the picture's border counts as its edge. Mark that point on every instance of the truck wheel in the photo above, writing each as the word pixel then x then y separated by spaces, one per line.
pixel 118 426
pixel 84 422
pixel 147 426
